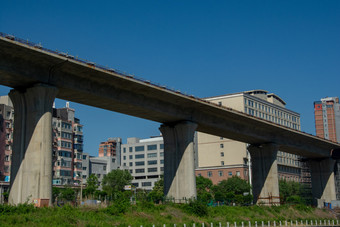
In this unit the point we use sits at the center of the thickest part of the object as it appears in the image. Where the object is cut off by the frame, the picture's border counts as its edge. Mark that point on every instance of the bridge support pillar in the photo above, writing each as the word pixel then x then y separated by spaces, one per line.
pixel 323 183
pixel 31 171
pixel 179 168
pixel 264 174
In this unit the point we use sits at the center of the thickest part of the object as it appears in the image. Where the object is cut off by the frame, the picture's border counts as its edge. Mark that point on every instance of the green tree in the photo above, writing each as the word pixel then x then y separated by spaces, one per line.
pixel 115 181
pixel 92 185
pixel 232 190
pixel 55 193
pixel 157 193
pixel 203 187
pixel 293 192
pixel 68 194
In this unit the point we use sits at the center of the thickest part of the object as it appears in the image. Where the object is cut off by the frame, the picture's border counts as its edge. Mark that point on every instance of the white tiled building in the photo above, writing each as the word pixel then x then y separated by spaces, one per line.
pixel 144 158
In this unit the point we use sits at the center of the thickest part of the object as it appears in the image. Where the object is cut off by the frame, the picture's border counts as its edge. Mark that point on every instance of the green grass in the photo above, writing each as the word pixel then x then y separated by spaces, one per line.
pixel 147 214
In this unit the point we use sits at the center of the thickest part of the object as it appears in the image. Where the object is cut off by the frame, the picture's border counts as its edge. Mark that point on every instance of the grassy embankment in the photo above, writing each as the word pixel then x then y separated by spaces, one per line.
pixel 148 214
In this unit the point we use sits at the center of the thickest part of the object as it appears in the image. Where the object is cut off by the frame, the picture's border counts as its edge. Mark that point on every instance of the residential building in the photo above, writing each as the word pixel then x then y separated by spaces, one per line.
pixel 220 158
pixel 99 166
pixel 327 118
pixel 111 147
pixel 6 137
pixel 327 125
pixel 144 158
pixel 67 146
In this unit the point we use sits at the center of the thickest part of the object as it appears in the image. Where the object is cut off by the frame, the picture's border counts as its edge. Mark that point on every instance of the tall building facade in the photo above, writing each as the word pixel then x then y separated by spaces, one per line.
pixel 144 158
pixel 220 158
pixel 327 118
pixel 111 148
pixel 67 146
pixel 327 125
pixel 6 137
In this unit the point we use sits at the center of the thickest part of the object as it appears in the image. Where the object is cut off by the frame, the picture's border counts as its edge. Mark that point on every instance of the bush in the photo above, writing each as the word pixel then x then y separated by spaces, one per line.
pixel 196 207
pixel 119 206
pixel 19 209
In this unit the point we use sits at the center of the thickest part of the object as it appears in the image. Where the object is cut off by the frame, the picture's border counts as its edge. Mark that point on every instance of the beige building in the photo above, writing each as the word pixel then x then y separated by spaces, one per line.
pixel 220 158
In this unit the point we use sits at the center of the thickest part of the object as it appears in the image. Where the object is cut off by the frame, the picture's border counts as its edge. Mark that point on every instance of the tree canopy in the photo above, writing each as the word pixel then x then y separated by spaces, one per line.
pixel 116 180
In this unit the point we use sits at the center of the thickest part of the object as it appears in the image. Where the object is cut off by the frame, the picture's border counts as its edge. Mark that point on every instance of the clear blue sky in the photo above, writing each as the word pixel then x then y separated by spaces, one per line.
pixel 204 48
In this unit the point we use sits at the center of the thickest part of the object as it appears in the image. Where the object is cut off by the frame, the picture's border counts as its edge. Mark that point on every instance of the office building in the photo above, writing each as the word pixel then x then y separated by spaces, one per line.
pixel 67 147
pixel 144 158
pixel 220 158
pixel 327 125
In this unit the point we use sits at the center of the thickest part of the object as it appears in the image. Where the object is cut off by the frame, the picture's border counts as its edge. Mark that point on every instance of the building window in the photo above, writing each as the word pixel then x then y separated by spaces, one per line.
pixel 130 149
pixel 161 146
pixel 130 164
pixel 139 163
pixel 7 158
pixel 124 157
pixel 221 145
pixel 152 155
pixel 130 157
pixel 152 162
pixel 151 170
pixel 139 148
pixel 124 150
pixel 222 154
pixel 230 173
pixel 84 167
pixel 238 173
pixel 152 147
pixel 146 184
pixel 139 156
pixel 162 161
pixel 222 163
pixel 140 170
pixel 104 167
pixel 209 174
pixel 220 173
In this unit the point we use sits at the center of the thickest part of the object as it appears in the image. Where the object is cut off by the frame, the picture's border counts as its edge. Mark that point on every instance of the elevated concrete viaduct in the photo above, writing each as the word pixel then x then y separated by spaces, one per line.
pixel 38 75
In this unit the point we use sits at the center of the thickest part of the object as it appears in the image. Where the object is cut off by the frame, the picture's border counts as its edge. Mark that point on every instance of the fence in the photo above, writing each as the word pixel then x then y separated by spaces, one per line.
pixel 259 224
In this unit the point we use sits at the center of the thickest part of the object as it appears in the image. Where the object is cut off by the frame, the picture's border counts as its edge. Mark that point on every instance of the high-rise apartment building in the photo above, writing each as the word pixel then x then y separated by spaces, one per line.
pixel 327 118
pixel 144 158
pixel 220 158
pixel 110 148
pixel 6 137
pixel 67 146
pixel 327 125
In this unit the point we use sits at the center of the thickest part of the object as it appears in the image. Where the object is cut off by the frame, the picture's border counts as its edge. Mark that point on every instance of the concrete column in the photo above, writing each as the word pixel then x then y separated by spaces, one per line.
pixel 179 163
pixel 31 172
pixel 323 183
pixel 265 178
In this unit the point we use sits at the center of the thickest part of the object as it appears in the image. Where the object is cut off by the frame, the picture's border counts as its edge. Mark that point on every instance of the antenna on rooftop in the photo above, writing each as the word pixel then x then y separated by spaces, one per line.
pixel 67 104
